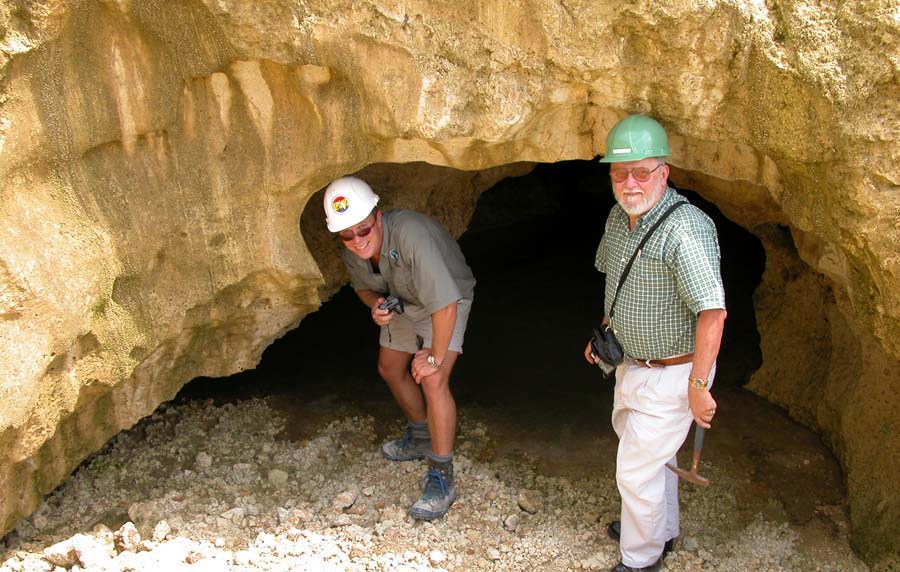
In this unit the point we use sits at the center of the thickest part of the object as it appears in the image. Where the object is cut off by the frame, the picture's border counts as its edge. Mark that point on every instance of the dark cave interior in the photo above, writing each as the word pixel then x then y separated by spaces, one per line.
pixel 531 245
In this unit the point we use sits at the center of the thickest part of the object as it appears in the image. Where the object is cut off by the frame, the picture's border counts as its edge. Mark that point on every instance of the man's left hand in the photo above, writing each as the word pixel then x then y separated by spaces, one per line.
pixel 703 406
pixel 420 368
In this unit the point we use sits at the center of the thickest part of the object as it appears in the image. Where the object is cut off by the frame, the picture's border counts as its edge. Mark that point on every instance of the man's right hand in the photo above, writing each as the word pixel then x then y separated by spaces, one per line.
pixel 379 316
pixel 703 406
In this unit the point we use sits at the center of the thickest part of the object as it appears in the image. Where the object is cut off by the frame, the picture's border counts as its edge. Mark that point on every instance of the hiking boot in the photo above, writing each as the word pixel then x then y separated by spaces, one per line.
pixel 415 444
pixel 440 492
pixel 614 531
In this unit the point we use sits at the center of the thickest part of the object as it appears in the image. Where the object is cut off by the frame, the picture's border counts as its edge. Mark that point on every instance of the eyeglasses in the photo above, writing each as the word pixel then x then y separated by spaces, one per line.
pixel 350 234
pixel 640 174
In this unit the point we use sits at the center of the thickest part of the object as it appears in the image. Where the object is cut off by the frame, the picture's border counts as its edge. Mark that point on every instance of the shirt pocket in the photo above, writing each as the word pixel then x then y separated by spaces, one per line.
pixel 653 274
pixel 403 282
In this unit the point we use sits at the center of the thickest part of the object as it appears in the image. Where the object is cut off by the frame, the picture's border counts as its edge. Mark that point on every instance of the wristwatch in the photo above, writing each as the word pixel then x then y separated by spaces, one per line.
pixel 432 362
pixel 698 382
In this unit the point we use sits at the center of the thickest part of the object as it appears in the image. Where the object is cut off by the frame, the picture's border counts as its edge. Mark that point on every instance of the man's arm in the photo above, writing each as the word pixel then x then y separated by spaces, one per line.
pixel 710 324
pixel 369 297
pixel 372 299
pixel 442 323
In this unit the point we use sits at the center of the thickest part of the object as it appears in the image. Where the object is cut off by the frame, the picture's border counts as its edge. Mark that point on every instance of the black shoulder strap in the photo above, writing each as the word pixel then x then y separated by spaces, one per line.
pixel 637 251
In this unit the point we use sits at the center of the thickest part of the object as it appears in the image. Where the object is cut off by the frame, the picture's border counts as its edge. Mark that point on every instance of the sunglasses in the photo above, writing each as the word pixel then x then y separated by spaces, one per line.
pixel 640 174
pixel 350 234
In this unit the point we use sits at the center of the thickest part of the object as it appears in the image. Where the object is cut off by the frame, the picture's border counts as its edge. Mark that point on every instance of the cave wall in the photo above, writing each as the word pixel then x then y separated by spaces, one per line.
pixel 833 376
pixel 155 159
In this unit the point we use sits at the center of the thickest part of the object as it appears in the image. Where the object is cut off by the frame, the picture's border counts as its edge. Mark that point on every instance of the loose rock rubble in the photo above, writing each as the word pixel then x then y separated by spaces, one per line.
pixel 207 488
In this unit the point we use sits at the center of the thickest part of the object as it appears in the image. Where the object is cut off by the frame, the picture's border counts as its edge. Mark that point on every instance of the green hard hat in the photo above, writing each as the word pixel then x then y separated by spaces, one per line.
pixel 634 138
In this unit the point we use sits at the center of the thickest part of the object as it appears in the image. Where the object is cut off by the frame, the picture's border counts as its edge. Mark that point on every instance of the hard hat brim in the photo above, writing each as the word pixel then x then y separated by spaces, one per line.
pixel 334 226
pixel 625 157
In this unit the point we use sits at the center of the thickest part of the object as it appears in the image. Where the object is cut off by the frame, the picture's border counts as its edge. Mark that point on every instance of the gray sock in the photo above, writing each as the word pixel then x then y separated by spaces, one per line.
pixel 441 459
pixel 418 430
pixel 444 464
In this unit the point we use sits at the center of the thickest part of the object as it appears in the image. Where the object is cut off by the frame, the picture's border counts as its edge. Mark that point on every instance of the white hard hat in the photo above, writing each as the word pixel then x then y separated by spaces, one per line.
pixel 348 201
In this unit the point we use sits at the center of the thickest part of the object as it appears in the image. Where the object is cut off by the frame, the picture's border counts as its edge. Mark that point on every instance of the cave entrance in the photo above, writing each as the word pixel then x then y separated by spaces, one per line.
pixel 524 394
pixel 531 244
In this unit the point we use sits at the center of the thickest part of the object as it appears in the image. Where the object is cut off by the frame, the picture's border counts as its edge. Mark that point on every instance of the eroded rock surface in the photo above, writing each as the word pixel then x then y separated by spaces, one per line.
pixel 156 158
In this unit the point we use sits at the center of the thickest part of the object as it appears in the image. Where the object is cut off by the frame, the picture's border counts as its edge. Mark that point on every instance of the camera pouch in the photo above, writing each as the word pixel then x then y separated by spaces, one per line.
pixel 606 347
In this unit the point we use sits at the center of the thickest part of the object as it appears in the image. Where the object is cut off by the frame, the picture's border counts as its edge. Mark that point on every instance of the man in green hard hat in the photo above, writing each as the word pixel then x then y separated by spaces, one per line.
pixel 668 315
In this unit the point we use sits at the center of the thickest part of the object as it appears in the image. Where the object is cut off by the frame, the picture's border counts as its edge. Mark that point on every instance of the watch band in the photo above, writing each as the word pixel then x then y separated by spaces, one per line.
pixel 432 361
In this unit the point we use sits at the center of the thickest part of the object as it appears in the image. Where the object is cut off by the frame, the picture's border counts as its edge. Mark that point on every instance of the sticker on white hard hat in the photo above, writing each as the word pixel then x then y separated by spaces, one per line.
pixel 340 204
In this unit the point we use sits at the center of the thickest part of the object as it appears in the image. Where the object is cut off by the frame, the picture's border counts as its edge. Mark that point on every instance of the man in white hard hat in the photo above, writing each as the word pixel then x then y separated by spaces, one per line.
pixel 668 313
pixel 411 257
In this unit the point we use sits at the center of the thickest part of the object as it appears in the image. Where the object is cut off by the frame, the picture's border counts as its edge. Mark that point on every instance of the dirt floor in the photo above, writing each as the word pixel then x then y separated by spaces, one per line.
pixel 278 468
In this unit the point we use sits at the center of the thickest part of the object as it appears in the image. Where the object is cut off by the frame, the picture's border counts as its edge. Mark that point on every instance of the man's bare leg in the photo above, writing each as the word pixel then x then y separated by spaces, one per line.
pixel 440 488
pixel 441 407
pixel 393 367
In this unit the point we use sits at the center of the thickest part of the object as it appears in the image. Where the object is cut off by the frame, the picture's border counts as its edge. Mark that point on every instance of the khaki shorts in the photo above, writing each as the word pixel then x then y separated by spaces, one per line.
pixel 400 334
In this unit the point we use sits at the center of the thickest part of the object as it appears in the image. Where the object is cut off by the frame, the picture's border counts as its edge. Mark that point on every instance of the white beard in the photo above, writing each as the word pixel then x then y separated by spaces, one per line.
pixel 639 204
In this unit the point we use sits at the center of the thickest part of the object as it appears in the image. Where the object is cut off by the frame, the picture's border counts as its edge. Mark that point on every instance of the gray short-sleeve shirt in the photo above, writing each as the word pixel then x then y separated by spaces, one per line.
pixel 420 263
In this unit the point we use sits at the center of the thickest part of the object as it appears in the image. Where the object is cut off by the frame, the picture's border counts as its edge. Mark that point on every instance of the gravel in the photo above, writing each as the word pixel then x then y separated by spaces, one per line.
pixel 202 487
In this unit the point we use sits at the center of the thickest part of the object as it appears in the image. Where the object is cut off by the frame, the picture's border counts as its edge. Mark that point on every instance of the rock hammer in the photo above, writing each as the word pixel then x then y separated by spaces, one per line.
pixel 692 476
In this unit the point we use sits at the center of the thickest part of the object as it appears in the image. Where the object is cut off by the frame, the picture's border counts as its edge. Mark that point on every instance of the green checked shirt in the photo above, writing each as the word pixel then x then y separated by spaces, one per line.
pixel 672 280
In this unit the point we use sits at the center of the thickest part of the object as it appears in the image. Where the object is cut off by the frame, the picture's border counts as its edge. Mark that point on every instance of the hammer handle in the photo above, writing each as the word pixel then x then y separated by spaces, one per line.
pixel 699 434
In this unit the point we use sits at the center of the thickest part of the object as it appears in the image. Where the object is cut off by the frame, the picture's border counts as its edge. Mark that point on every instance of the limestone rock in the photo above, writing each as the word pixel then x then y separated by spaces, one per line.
pixel 204 461
pixel 530 501
pixel 145 516
pixel 82 550
pixel 151 187
pixel 345 500
pixel 512 522
pixel 127 538
pixel 278 477
pixel 161 531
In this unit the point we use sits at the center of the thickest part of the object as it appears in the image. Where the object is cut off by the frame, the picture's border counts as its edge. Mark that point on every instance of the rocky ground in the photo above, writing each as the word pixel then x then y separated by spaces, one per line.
pixel 279 468
pixel 199 486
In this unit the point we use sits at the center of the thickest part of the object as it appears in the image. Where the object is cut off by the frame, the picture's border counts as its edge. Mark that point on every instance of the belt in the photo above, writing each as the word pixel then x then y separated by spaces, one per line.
pixel 677 360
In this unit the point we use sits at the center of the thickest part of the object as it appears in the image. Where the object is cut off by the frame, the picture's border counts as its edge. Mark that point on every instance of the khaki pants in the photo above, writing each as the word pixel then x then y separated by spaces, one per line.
pixel 652 418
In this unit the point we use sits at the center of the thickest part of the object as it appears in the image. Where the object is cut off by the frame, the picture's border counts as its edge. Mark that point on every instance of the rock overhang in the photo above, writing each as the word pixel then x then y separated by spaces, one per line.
pixel 156 159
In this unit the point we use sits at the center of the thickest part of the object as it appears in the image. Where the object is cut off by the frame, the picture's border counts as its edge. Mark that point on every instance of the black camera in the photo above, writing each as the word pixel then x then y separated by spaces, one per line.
pixel 392 304
pixel 601 347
